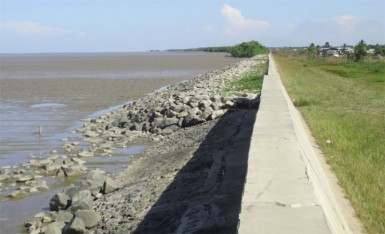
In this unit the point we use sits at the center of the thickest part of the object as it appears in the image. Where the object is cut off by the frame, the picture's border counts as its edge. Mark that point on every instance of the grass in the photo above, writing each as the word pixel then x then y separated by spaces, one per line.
pixel 344 104
pixel 250 82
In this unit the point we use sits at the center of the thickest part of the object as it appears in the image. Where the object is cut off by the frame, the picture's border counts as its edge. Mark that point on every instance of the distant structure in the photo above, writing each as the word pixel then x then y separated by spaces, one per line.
pixel 334 51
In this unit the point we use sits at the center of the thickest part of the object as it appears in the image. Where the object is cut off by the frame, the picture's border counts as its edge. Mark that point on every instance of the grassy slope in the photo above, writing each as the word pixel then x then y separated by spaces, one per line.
pixel 344 102
pixel 252 81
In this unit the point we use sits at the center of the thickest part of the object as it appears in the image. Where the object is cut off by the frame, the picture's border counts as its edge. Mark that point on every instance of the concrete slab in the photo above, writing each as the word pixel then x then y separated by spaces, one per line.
pixel 284 191
pixel 258 219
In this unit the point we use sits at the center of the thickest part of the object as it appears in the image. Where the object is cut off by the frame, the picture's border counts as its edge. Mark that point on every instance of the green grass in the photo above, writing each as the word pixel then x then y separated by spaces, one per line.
pixel 344 102
pixel 250 82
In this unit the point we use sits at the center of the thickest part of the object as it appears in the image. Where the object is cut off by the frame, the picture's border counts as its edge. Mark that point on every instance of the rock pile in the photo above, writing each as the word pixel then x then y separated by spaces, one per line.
pixel 157 116
pixel 72 210
pixel 179 106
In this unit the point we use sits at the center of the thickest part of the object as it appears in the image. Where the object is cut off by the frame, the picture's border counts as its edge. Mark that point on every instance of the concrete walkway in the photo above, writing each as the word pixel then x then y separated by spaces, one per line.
pixel 286 190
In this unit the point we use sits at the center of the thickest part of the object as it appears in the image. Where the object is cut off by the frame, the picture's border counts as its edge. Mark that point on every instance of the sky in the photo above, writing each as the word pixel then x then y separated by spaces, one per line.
pixel 44 26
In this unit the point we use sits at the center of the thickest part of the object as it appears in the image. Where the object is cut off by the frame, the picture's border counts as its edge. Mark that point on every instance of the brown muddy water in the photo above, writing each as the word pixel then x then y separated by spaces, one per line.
pixel 56 91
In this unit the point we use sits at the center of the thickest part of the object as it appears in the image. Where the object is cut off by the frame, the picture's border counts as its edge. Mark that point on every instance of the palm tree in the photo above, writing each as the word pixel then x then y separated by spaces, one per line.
pixel 360 50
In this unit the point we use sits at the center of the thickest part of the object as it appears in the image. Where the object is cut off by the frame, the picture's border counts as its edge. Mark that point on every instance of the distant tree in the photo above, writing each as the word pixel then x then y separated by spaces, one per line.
pixel 327 45
pixel 378 50
pixel 344 47
pixel 312 51
pixel 360 50
pixel 248 49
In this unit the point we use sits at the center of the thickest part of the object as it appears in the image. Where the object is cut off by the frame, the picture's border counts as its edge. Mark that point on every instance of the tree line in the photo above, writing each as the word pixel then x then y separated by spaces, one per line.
pixel 242 50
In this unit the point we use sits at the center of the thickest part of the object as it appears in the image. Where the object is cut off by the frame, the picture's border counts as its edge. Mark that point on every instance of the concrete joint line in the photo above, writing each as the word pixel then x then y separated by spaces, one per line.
pixel 292 206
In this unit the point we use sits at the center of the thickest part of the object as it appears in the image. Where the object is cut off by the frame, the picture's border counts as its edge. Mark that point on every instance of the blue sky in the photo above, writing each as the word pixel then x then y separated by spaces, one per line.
pixel 137 25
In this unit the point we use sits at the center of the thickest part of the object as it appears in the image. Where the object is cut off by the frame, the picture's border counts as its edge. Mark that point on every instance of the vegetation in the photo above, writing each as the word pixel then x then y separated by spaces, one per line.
pixel 205 49
pixel 243 50
pixel 312 51
pixel 343 103
pixel 360 50
pixel 248 49
pixel 378 49
pixel 218 49
pixel 252 81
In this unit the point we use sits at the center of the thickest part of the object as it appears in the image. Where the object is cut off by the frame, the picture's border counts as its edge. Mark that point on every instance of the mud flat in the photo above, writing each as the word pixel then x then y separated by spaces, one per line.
pixel 191 177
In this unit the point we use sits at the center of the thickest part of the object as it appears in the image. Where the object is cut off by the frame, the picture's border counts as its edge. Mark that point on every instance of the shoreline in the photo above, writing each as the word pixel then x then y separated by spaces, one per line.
pixel 112 129
pixel 78 98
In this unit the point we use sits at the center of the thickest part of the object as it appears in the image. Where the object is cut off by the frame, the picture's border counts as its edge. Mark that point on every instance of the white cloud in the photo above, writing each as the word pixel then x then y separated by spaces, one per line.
pixel 347 21
pixel 30 28
pixel 237 23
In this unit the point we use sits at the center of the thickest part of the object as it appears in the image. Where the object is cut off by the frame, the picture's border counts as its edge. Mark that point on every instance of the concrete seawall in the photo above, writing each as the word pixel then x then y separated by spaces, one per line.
pixel 286 190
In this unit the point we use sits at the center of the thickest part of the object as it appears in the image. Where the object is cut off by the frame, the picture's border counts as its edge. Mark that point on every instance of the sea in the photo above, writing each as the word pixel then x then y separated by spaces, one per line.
pixel 43 98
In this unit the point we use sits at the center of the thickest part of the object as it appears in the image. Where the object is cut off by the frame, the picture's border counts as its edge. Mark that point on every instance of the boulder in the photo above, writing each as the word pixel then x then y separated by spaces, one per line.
pixel 168 122
pixel 96 177
pixel 229 104
pixel 34 222
pixel 182 114
pixel 217 113
pixel 80 205
pixel 39 184
pixel 81 200
pixel 70 191
pixel 156 122
pixel 25 178
pixel 75 170
pixel 136 127
pixel 4 177
pixel 191 120
pixel 64 216
pixel 54 228
pixel 176 108
pixel 76 226
pixel 109 186
pixel 89 217
pixel 50 167
pixel 18 194
pixel 90 134
pixel 86 153
pixel 59 202
pixel 33 190
pixel 82 195
pixel 215 106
